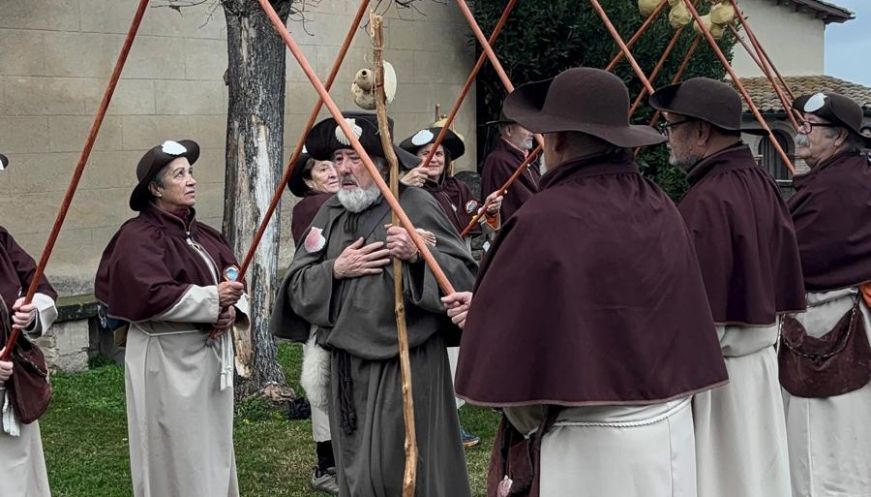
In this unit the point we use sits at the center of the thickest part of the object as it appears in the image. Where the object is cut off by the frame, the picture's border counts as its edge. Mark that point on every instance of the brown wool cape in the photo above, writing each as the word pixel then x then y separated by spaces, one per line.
pixel 591 295
pixel 831 210
pixel 744 239
pixel 148 265
pixel 499 165
pixel 16 271
pixel 457 202
pixel 303 213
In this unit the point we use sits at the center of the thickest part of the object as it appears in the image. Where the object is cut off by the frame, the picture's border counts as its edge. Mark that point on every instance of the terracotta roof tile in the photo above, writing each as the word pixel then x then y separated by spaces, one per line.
pixel 766 99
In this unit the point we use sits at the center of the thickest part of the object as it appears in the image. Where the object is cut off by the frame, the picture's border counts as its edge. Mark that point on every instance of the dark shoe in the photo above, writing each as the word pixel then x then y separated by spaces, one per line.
pixel 325 481
pixel 469 440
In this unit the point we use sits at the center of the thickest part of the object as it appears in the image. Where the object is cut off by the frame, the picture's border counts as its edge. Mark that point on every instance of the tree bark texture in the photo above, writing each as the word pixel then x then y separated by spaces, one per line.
pixel 255 129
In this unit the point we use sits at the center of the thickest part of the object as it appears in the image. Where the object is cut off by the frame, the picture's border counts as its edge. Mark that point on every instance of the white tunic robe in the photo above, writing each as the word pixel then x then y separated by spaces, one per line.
pixel 22 463
pixel 740 428
pixel 830 438
pixel 179 390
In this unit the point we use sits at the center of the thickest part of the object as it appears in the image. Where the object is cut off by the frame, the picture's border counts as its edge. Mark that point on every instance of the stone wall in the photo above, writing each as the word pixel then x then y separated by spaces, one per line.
pixel 56 57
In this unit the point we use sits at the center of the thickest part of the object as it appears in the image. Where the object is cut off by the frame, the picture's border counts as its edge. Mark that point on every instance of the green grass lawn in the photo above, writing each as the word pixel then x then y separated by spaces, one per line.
pixel 85 439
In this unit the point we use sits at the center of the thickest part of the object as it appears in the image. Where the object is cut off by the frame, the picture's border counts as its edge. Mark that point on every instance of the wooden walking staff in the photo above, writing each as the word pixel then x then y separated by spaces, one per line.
pixel 503 190
pixel 641 30
pixel 431 263
pixel 774 85
pixel 659 64
pixel 626 52
pixel 80 168
pixel 410 475
pixel 737 82
pixel 468 85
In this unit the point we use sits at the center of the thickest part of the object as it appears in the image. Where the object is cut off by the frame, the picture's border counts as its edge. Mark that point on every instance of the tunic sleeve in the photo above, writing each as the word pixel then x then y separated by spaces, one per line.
pixel 46 313
pixel 199 304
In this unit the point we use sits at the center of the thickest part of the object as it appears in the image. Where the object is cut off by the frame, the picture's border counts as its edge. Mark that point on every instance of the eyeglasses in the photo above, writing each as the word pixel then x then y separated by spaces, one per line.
pixel 806 126
pixel 665 126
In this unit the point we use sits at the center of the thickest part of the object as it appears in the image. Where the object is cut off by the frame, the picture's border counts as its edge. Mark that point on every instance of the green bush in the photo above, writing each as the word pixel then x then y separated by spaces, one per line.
pixel 544 37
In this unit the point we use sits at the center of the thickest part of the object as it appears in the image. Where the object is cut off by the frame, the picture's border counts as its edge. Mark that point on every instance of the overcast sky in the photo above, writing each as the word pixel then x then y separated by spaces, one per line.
pixel 848 45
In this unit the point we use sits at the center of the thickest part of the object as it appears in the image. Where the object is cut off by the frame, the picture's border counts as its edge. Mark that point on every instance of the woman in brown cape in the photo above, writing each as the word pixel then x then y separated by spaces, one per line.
pixel 162 274
pixel 22 463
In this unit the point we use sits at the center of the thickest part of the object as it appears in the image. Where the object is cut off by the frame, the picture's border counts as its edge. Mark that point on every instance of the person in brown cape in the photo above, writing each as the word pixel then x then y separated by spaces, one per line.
pixel 315 182
pixel 22 462
pixel 456 200
pixel 825 359
pixel 162 275
pixel 341 281
pixel 747 250
pixel 508 153
pixel 599 377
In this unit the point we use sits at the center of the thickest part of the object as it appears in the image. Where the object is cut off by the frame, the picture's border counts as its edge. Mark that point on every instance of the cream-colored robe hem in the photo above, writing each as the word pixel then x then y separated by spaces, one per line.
pixel 740 428
pixel 830 438
pixel 22 462
pixel 179 401
pixel 620 451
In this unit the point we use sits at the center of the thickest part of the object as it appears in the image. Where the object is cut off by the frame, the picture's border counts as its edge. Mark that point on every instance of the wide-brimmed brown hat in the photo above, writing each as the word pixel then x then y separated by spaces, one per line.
pixel 296 183
pixel 326 137
pixel 582 99
pixel 4 162
pixel 452 142
pixel 153 161
pixel 705 99
pixel 835 108
pixel 503 119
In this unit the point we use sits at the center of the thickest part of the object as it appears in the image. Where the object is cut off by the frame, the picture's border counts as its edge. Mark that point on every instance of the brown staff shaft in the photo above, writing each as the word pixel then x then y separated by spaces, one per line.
pixel 297 151
pixel 503 190
pixel 659 64
pixel 741 89
pixel 80 167
pixel 763 55
pixel 641 30
pixel 431 263
pixel 765 71
pixel 485 45
pixel 626 52
pixel 410 474
pixel 468 85
pixel 679 73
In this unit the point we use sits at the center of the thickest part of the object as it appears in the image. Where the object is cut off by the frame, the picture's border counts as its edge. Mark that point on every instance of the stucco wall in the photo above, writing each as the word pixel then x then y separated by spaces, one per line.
pixel 55 59
pixel 793 40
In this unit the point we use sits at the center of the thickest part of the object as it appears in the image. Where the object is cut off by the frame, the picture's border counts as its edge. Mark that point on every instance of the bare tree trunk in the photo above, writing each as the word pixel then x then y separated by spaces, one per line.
pixel 255 130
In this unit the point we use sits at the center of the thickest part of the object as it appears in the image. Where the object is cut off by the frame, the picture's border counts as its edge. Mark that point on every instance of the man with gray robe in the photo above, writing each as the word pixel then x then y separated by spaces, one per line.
pixel 341 281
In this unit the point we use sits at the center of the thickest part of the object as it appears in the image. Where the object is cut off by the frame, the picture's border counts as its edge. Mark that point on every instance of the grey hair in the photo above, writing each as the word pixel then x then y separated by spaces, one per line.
pixel 853 143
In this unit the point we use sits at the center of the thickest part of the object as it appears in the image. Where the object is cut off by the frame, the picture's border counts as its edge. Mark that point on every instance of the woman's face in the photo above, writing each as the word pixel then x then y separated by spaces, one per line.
pixel 323 177
pixel 174 187
pixel 437 164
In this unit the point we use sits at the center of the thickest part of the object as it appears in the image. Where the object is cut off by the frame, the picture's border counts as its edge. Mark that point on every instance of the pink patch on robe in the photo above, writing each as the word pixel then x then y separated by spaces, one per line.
pixel 315 240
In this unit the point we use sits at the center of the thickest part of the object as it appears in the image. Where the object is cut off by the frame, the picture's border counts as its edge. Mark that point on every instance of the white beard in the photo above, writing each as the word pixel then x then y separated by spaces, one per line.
pixel 358 199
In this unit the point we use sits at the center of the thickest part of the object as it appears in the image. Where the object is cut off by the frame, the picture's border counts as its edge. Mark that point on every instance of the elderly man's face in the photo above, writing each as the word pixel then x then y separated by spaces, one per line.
pixel 682 144
pixel 817 140
pixel 351 170
pixel 518 136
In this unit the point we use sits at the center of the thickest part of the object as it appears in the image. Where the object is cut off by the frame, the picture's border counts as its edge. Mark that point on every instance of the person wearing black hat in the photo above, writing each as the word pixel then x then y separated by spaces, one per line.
pixel 589 325
pixel 315 182
pixel 162 275
pixel 22 463
pixel 828 402
pixel 747 250
pixel 509 152
pixel 341 281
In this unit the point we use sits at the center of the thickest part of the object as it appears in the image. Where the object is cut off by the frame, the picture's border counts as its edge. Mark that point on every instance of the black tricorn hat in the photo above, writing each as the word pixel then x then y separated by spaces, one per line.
pixel 296 183
pixel 452 142
pixel 705 99
pixel 326 137
pixel 156 159
pixel 4 162
pixel 583 99
pixel 834 108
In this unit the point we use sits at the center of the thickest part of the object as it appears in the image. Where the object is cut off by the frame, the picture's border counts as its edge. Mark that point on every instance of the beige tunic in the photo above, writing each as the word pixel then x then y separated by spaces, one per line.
pixel 740 428
pixel 179 390
pixel 830 438
pixel 22 463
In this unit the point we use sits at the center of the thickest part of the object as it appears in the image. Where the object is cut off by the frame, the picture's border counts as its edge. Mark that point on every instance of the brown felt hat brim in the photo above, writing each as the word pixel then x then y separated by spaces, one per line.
pixel 525 103
pixel 705 103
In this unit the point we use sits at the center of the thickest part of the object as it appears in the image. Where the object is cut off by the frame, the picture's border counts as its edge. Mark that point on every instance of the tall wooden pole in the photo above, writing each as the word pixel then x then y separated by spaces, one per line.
pixel 410 474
